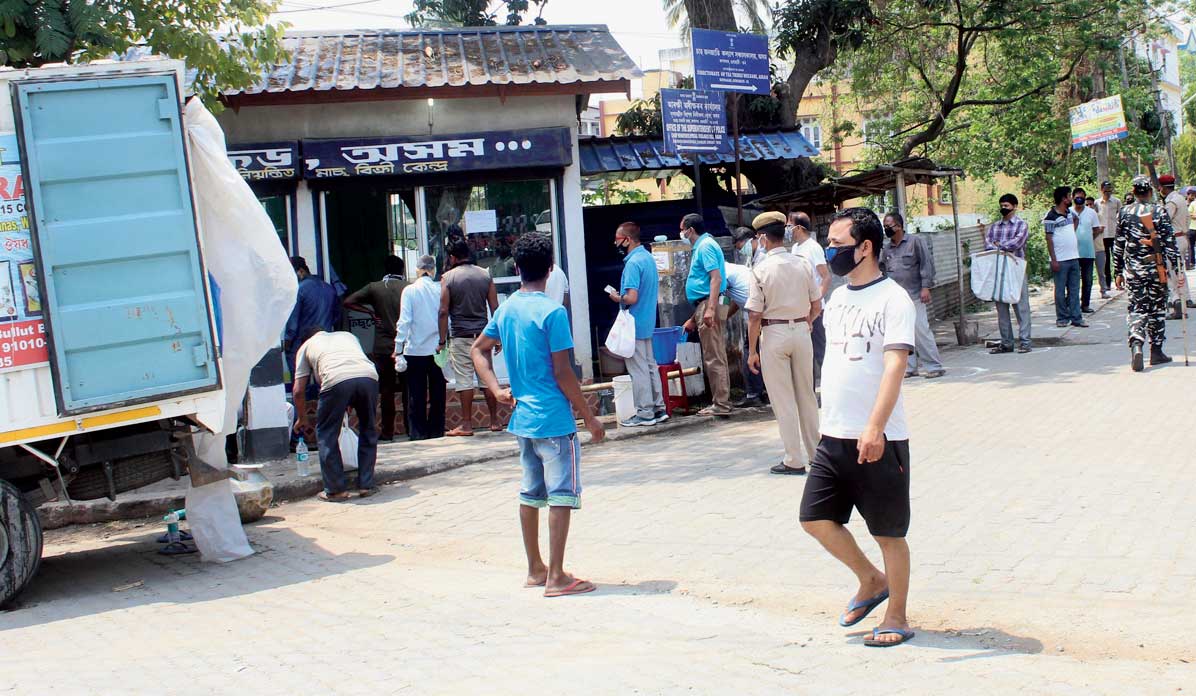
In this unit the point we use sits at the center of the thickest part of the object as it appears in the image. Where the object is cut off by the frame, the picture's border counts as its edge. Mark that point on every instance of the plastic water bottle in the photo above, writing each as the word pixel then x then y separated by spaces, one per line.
pixel 301 458
pixel 172 527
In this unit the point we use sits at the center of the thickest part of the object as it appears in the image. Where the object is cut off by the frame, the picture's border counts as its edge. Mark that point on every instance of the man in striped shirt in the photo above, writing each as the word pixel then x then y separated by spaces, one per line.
pixel 1010 234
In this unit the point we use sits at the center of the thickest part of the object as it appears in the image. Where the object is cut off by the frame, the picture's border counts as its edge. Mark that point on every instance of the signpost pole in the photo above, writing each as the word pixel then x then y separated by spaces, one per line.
pixel 698 181
pixel 735 134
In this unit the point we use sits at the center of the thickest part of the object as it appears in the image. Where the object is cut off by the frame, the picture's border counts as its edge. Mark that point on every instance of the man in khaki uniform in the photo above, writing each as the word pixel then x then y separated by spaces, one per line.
pixel 1177 207
pixel 783 301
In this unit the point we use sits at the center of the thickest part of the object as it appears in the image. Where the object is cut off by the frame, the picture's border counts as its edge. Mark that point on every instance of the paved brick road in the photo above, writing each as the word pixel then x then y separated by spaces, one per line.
pixel 1054 553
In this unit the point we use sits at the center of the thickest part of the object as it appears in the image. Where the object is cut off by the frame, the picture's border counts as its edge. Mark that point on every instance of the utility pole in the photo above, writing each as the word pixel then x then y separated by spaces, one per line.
pixel 1164 116
pixel 1101 152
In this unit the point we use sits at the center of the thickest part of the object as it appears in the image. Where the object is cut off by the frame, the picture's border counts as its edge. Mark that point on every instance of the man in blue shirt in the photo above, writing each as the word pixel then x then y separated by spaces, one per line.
pixel 739 283
pixel 707 281
pixel 534 333
pixel 637 293
pixel 316 304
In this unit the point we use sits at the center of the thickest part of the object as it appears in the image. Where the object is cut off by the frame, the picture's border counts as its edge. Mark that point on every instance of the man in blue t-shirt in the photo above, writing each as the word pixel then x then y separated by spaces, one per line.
pixel 637 293
pixel 534 333
pixel 707 281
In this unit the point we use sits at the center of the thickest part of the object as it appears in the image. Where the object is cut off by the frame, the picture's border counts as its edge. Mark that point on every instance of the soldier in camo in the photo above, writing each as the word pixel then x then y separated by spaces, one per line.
pixel 1135 268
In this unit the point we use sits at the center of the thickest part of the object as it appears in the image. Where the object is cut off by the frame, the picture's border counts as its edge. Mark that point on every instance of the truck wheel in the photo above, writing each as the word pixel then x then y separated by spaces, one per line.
pixel 20 542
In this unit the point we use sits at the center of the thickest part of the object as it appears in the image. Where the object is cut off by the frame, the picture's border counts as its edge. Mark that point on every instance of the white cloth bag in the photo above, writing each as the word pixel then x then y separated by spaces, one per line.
pixel 621 339
pixel 997 276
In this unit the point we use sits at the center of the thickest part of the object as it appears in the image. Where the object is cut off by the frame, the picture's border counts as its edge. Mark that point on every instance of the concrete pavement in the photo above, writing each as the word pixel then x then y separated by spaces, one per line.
pixel 1053 552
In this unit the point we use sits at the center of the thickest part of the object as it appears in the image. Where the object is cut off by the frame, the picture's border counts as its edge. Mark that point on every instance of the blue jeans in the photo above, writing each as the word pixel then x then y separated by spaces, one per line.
pixel 551 471
pixel 361 394
pixel 1067 292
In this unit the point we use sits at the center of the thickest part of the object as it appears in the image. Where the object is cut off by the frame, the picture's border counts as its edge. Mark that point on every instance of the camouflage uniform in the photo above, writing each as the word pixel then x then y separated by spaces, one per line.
pixel 1134 259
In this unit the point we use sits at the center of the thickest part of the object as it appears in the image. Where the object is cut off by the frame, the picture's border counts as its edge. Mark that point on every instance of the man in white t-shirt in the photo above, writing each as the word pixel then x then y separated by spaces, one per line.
pixel 862 460
pixel 807 247
pixel 1063 245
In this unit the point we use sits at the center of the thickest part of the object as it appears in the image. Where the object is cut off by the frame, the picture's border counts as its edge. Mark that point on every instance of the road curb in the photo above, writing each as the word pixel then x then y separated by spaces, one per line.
pixel 139 506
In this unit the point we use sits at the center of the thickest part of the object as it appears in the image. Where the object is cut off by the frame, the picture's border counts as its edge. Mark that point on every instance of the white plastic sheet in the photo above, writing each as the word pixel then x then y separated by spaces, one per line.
pixel 257 288
pixel 621 339
pixel 997 276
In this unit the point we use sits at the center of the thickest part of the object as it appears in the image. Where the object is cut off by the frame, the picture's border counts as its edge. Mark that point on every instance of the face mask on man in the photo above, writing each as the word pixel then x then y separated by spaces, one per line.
pixel 890 231
pixel 1078 200
pixel 1006 212
pixel 621 249
pixel 842 259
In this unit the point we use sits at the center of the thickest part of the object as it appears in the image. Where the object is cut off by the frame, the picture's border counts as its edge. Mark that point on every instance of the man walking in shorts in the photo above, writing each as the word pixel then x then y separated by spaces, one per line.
pixel 466 293
pixel 862 460
pixel 534 331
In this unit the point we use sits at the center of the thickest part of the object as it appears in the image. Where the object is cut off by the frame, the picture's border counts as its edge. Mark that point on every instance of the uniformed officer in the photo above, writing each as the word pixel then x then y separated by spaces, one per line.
pixel 1137 268
pixel 1177 209
pixel 783 301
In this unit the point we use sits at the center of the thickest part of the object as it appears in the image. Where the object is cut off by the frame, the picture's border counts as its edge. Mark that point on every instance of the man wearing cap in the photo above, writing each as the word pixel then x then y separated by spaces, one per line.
pixel 1177 209
pixel 1136 268
pixel 1107 208
pixel 783 299
pixel 749 248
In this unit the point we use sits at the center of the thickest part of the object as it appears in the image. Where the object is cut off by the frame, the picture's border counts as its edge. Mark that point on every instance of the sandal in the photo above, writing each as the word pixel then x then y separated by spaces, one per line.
pixel 334 497
pixel 366 492
pixel 578 586
pixel 458 432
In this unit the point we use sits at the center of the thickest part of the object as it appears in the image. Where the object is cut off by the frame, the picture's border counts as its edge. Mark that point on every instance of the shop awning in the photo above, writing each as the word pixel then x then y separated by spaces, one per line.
pixel 631 158
pixel 831 194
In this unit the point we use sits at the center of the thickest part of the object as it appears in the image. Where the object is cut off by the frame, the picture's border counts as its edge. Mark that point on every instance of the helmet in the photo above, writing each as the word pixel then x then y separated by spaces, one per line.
pixel 1141 184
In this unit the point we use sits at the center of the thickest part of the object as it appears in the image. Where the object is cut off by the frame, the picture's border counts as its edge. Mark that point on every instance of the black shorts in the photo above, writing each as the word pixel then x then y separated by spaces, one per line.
pixel 880 489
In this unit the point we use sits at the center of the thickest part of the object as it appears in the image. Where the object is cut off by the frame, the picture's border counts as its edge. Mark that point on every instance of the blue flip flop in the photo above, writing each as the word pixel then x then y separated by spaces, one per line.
pixel 874 643
pixel 868 604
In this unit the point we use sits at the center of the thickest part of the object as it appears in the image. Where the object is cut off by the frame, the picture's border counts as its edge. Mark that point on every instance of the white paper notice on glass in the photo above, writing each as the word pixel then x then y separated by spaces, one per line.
pixel 664 262
pixel 481 221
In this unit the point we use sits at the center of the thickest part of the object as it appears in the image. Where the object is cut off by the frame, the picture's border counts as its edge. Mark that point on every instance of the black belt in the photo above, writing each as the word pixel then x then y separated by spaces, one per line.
pixel 466 335
pixel 774 322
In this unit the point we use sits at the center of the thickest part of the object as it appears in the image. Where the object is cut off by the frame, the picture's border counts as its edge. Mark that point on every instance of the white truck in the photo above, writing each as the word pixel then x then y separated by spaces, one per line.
pixel 109 354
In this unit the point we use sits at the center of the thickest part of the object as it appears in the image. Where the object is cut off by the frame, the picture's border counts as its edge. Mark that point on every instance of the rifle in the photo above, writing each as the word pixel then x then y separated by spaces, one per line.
pixel 1155 246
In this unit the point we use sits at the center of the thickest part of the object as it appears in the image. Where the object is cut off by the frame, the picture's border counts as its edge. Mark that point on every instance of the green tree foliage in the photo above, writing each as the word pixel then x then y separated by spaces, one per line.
pixel 473 13
pixel 987 85
pixel 227 42
pixel 757 13
pixel 613 193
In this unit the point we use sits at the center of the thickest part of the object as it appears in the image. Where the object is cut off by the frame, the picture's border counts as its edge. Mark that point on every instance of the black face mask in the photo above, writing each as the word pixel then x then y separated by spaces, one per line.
pixel 621 249
pixel 1079 200
pixel 842 259
pixel 1006 212
pixel 890 231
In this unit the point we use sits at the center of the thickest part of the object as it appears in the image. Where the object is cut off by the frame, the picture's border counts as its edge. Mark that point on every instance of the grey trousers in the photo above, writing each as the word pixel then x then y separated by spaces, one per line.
pixel 1022 309
pixel 645 380
pixel 926 352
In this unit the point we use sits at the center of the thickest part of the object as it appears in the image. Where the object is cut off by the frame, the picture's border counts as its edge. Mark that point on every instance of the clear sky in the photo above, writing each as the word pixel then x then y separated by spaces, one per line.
pixel 638 25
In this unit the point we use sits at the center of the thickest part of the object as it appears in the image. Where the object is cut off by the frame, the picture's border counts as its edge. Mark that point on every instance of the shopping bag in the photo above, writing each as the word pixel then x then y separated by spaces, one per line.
pixel 997 276
pixel 348 444
pixel 621 339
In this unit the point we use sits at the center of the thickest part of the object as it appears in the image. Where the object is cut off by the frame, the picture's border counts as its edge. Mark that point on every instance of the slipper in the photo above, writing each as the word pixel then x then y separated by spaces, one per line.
pixel 868 604
pixel 457 432
pixel 334 497
pixel 578 586
pixel 496 428
pixel 874 643
pixel 366 492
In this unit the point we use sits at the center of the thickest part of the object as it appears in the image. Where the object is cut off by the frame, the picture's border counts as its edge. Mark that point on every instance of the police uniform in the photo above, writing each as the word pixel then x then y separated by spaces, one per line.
pixel 1134 260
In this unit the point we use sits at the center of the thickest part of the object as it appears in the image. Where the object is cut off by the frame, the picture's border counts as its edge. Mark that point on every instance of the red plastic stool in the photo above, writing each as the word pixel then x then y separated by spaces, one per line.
pixel 671 402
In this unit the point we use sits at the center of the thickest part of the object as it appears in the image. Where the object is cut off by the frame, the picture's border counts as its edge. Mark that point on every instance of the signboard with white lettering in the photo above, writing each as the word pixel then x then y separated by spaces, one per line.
pixel 22 330
pixel 266 161
pixel 692 120
pixel 542 147
pixel 730 62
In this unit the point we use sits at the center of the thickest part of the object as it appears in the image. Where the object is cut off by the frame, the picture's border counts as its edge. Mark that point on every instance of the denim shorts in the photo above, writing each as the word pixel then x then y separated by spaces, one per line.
pixel 551 471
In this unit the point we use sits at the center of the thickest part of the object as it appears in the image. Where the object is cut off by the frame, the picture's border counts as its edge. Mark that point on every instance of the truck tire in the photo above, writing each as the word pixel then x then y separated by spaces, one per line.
pixel 20 542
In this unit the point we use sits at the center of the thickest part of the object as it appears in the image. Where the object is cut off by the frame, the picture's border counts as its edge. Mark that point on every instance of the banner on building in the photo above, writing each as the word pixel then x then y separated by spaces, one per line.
pixel 22 330
pixel 1098 121
pixel 266 161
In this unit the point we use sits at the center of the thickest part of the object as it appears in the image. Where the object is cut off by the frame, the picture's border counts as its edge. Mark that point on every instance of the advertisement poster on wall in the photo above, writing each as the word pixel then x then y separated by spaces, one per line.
pixel 22 331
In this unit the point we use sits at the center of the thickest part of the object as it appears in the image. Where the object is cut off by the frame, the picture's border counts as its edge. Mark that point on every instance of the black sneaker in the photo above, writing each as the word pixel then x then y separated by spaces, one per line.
pixel 1087 310
pixel 1081 324
pixel 1024 349
pixel 1000 349
pixel 661 416
pixel 748 402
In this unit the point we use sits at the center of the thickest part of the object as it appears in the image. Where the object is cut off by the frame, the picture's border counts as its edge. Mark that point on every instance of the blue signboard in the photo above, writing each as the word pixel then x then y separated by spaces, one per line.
pixel 730 62
pixel 693 120
pixel 266 161
pixel 543 147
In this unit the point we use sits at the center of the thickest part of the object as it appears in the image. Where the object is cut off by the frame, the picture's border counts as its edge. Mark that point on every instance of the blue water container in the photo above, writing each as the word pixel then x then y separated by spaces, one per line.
pixel 664 344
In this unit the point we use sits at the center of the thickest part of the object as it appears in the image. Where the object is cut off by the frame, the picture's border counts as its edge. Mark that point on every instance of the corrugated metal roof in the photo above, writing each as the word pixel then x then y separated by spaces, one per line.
pixel 390 59
pixel 830 194
pixel 632 158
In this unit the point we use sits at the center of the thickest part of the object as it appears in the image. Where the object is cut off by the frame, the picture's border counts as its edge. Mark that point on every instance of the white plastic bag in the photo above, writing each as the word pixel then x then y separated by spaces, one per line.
pixel 621 339
pixel 997 276
pixel 348 444
pixel 216 524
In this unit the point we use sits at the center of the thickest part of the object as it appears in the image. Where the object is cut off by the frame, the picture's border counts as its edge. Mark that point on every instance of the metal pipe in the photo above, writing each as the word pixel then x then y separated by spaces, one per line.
pixel 603 386
pixel 958 260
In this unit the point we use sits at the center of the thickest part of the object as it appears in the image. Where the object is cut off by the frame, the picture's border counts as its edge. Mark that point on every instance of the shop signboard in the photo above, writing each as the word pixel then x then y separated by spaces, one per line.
pixel 22 330
pixel 266 161
pixel 409 155
pixel 693 120
pixel 1097 121
pixel 730 62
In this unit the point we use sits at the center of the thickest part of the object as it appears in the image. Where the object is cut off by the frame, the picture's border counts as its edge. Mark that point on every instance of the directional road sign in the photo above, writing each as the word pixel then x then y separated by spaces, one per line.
pixel 693 120
pixel 730 62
